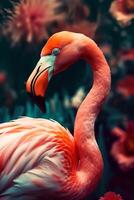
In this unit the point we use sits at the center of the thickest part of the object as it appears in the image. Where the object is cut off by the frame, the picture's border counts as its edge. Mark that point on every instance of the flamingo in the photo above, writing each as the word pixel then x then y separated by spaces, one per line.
pixel 39 158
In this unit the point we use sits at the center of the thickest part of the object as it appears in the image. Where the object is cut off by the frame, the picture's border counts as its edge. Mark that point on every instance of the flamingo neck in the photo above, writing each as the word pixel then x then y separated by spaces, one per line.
pixel 90 159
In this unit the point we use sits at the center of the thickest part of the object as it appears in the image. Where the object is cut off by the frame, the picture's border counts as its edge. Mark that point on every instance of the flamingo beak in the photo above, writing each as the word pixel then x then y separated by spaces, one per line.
pixel 37 83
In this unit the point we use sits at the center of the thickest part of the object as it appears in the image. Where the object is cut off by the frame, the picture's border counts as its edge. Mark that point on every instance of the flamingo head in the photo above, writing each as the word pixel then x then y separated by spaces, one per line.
pixel 61 50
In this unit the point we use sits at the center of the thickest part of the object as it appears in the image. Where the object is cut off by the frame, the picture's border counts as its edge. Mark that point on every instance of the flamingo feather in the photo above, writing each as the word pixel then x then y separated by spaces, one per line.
pixel 44 155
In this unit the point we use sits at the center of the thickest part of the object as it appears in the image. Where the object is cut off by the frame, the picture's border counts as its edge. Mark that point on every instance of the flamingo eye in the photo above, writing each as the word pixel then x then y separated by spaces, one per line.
pixel 55 51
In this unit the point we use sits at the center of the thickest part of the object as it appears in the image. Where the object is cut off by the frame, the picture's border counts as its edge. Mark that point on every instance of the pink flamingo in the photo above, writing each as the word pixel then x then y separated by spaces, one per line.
pixel 40 159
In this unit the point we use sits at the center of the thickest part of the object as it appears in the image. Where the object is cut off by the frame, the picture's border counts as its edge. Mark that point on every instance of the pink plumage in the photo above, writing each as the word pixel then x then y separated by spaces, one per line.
pixel 35 154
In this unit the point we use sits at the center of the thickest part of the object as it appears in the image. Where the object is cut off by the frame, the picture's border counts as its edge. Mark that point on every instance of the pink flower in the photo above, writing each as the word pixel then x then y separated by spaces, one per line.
pixel 123 148
pixel 76 19
pixel 111 196
pixel 127 55
pixel 122 11
pixel 3 78
pixel 30 19
pixel 126 86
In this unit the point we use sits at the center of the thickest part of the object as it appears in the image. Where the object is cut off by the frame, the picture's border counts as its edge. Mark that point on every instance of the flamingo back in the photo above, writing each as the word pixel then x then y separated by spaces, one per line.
pixel 36 157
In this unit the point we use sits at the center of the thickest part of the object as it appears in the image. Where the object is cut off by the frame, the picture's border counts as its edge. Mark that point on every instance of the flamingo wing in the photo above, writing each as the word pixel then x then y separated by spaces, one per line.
pixel 36 158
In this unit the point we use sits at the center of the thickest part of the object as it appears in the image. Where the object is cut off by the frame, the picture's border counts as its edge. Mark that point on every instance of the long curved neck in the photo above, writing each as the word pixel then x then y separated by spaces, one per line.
pixel 90 160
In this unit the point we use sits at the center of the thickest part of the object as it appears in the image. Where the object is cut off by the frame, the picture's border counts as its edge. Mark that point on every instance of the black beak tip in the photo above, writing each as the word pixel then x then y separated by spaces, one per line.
pixel 40 102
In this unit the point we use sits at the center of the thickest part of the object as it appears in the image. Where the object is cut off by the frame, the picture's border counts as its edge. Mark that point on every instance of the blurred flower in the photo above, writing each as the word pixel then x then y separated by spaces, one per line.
pixel 127 55
pixel 125 86
pixel 66 102
pixel 78 98
pixel 123 149
pixel 111 196
pixel 106 49
pixel 129 6
pixel 122 11
pixel 30 20
pixel 77 11
pixel 77 19
pixel 3 77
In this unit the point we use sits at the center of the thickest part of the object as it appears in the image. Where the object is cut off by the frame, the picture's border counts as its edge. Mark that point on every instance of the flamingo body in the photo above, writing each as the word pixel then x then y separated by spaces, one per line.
pixel 48 153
